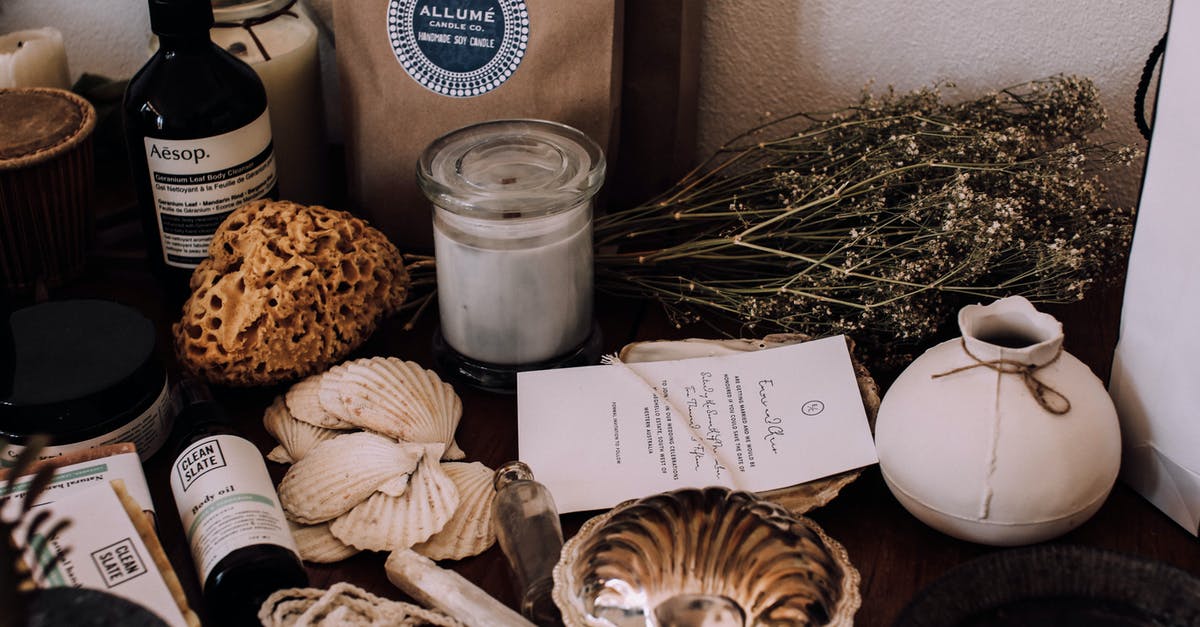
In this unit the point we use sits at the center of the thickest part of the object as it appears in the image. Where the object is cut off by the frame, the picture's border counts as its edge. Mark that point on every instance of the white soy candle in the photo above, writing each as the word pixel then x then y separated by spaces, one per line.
pixel 513 238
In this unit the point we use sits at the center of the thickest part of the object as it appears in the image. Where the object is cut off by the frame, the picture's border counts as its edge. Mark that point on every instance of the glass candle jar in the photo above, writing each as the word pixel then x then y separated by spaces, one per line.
pixel 512 225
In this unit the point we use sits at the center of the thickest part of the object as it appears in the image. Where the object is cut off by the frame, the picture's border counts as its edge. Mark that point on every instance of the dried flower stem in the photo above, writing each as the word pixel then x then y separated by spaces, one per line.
pixel 868 220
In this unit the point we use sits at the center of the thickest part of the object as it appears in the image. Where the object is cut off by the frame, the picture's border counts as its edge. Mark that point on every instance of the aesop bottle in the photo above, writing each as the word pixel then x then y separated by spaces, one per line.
pixel 199 137
pixel 240 541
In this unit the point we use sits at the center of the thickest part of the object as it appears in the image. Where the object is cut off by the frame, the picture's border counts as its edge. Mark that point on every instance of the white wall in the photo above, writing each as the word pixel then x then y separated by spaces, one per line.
pixel 770 57
pixel 763 57
pixel 107 37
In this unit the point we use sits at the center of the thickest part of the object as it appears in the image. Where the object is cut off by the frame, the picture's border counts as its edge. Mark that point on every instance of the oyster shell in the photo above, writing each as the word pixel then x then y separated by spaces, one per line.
pixel 296 438
pixel 730 550
pixel 799 498
pixel 469 531
pixel 338 474
pixel 388 523
pixel 393 397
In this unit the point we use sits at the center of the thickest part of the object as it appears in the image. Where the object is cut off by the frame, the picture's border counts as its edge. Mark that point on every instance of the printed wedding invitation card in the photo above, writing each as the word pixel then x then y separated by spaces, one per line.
pixel 600 435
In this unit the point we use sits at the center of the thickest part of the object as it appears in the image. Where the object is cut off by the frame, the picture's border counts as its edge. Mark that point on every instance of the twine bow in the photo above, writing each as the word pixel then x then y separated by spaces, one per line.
pixel 250 23
pixel 1049 398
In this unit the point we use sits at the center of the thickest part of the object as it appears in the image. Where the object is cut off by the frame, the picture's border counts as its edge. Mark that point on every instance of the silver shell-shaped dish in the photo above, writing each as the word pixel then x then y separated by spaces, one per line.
pixel 799 498
pixel 729 556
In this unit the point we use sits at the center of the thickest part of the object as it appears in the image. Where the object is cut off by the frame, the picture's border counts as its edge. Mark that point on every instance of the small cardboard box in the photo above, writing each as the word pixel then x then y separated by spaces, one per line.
pixel 103 549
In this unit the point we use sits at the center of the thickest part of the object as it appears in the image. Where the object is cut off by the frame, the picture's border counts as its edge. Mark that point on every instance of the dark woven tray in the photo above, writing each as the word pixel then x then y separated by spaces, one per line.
pixel 1061 586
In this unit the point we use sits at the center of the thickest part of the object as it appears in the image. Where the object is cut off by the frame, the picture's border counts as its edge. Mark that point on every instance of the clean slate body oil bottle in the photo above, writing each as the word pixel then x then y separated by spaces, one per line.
pixel 234 524
pixel 199 137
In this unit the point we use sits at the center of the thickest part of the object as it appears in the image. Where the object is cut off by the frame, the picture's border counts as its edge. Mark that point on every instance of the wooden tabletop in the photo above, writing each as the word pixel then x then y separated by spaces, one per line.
pixel 896 555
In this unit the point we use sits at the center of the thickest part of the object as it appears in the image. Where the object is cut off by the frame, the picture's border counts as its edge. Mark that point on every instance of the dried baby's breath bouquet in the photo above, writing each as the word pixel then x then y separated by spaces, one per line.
pixel 876 221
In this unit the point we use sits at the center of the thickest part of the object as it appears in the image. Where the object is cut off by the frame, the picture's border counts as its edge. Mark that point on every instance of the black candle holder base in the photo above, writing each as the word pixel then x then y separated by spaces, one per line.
pixel 502 379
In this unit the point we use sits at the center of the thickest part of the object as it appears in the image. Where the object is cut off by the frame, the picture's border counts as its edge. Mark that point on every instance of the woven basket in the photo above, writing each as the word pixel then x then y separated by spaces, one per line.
pixel 46 186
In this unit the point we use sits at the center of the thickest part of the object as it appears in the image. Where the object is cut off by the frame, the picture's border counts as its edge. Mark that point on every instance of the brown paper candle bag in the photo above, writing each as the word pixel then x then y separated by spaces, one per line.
pixel 413 70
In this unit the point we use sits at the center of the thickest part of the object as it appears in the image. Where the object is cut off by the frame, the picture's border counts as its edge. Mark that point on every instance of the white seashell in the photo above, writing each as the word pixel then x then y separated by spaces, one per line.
pixel 304 404
pixel 387 523
pixel 340 473
pixel 453 413
pixel 383 395
pixel 317 544
pixel 327 396
pixel 296 438
pixel 446 403
pixel 469 532
pixel 395 486
pixel 396 398
pixel 427 389
pixel 280 455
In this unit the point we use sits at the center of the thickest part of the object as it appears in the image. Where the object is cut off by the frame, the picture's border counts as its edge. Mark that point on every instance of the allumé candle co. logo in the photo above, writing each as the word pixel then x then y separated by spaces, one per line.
pixel 459 48
pixel 202 457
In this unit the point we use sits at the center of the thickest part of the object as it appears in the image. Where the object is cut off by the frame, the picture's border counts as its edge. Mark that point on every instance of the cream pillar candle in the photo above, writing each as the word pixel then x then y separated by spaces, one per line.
pixel 34 58
pixel 290 73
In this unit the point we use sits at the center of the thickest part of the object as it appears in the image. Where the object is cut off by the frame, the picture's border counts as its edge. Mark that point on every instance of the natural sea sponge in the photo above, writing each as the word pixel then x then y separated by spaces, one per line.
pixel 287 290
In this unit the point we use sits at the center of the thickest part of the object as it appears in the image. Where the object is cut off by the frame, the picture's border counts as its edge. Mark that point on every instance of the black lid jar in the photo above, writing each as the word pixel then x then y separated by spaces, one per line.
pixel 85 373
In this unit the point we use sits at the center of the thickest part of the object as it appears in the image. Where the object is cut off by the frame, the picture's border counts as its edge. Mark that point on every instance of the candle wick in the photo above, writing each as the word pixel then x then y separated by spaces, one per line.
pixel 20 44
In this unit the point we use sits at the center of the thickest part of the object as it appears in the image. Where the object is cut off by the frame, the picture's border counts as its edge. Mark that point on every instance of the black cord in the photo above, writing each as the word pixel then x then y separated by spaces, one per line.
pixel 1139 98
pixel 250 23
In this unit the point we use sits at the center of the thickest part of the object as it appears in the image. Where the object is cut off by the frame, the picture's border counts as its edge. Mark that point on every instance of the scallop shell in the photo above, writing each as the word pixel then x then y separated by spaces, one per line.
pixel 393 397
pixel 296 438
pixel 340 473
pixel 395 486
pixel 316 544
pixel 448 403
pixel 705 546
pixel 469 532
pixel 454 414
pixel 800 498
pixel 387 523
pixel 304 404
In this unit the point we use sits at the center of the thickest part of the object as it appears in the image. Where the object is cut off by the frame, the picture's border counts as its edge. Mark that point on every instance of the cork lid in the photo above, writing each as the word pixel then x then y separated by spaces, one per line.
pixel 41 123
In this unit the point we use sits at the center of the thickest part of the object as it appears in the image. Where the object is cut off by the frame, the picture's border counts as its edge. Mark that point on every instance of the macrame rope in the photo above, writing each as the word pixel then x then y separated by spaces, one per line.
pixel 250 23
pixel 1042 393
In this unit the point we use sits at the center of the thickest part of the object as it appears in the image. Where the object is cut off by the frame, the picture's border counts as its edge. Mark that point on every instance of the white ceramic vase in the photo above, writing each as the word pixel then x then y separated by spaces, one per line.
pixel 999 437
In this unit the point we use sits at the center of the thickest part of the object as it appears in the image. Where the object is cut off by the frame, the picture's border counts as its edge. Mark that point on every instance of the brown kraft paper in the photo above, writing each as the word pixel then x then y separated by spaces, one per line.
pixel 570 73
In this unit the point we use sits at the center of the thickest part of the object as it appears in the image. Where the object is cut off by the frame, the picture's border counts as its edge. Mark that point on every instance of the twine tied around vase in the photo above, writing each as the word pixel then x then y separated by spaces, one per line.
pixel 250 23
pixel 1045 395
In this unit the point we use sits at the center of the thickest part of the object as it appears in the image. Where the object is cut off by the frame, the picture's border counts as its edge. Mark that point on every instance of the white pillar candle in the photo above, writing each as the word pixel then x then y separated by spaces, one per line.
pixel 291 77
pixel 513 238
pixel 34 58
